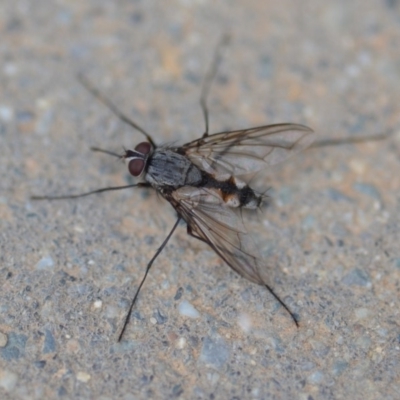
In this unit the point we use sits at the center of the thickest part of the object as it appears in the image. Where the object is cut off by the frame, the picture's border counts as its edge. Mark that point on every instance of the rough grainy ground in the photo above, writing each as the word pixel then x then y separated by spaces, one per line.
pixel 70 268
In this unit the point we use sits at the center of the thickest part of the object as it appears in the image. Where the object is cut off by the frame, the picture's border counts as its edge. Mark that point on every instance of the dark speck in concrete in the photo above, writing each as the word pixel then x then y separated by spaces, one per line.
pixel 265 67
pixel 15 347
pixel 160 317
pixel 14 24
pixel 49 345
pixel 177 390
pixel 336 195
pixel 119 267
pixel 62 391
pixel 192 78
pixel 40 364
pixel 215 352
pixel 137 17
pixel 24 116
pixel 339 367
pixel 138 316
pixel 357 277
pixel 66 277
pixel 368 189
pixel 358 125
pixel 285 195
pixel 146 379
pixel 392 3
pixel 179 293
pixel 149 240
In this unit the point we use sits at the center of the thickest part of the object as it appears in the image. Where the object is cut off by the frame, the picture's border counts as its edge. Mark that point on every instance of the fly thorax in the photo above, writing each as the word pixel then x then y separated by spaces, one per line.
pixel 168 168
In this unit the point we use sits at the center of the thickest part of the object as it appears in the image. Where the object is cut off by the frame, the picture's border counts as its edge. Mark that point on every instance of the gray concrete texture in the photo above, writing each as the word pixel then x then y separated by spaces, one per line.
pixel 330 233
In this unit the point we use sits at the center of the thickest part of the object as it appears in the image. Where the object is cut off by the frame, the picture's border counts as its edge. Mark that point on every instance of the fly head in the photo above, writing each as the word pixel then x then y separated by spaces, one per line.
pixel 136 159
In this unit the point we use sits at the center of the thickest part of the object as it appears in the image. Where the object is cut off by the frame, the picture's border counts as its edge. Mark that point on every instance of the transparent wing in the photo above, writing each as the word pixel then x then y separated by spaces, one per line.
pixel 249 150
pixel 221 228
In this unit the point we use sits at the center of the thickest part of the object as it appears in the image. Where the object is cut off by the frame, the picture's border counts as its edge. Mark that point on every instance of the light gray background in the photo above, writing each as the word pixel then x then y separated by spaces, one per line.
pixel 70 268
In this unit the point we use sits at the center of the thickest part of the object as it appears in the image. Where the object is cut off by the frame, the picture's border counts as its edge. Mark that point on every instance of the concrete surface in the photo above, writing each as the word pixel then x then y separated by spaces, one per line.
pixel 70 268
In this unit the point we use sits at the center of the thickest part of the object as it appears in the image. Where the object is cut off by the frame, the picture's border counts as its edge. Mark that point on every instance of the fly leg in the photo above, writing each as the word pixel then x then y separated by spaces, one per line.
pixel 159 250
pixel 210 75
pixel 99 96
pixel 277 298
pixel 347 140
pixel 101 190
pixel 281 302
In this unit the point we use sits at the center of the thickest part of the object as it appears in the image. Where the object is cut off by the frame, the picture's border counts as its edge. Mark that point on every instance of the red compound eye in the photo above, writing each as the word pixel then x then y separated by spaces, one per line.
pixel 143 148
pixel 136 166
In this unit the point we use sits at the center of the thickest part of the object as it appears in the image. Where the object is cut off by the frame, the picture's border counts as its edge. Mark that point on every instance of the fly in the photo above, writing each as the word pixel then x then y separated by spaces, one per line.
pixel 205 182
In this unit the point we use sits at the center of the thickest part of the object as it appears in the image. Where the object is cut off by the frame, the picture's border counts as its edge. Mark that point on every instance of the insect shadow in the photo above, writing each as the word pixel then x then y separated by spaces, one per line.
pixel 206 181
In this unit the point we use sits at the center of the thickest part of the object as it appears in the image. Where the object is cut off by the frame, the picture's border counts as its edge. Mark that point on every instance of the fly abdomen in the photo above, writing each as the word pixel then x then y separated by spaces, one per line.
pixel 234 193
pixel 249 198
pixel 245 197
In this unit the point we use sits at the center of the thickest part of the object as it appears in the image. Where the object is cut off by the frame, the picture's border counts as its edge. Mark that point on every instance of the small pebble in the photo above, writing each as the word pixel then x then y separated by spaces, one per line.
pixel 97 304
pixel 112 312
pixel 362 313
pixel 244 322
pixel 6 113
pixel 181 343
pixel 367 189
pixel 15 348
pixel 83 377
pixel 213 377
pixel 49 345
pixel 187 309
pixel 339 367
pixel 315 378
pixel 10 69
pixel 8 380
pixel 215 352
pixel 178 294
pixel 3 339
pixel 44 122
pixel 45 264
pixel 160 317
pixel 357 277
pixel 308 222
